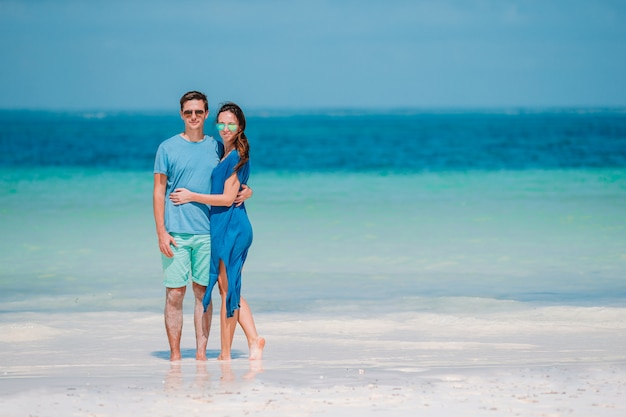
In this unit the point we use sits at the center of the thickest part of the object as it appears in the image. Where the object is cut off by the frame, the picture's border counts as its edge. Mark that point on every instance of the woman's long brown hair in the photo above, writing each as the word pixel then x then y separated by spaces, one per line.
pixel 241 140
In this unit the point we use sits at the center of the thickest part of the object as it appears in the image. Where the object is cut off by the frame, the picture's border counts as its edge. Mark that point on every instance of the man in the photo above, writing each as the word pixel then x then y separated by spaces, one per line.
pixel 186 160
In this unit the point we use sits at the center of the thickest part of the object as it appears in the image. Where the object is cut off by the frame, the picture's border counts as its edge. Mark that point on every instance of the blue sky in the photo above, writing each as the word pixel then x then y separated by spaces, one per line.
pixel 124 54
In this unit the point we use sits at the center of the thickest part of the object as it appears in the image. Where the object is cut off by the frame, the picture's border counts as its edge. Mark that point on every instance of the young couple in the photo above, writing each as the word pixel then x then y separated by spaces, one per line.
pixel 202 226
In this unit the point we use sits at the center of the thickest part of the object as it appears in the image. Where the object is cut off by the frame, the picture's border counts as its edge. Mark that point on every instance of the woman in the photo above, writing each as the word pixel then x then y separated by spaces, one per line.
pixel 231 231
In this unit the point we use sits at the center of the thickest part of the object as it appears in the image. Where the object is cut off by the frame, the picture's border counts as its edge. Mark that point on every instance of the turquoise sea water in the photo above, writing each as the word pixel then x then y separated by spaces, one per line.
pixel 359 226
pixel 78 239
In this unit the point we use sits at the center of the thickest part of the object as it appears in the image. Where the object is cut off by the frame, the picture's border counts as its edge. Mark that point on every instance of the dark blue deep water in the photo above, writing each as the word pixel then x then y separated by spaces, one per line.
pixel 403 141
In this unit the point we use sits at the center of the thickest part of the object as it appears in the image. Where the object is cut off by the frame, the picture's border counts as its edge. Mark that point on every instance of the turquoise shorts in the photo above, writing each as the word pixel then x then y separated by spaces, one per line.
pixel 192 258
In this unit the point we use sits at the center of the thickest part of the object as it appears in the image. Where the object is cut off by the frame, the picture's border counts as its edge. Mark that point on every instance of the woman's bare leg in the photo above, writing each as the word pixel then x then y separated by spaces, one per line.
pixel 245 319
pixel 227 324
pixel 255 342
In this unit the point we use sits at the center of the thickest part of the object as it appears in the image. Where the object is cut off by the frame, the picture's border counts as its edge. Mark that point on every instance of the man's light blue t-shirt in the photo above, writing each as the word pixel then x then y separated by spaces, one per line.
pixel 187 165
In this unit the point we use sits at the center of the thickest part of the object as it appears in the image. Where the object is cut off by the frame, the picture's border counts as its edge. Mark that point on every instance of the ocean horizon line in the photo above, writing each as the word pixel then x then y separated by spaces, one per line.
pixel 258 111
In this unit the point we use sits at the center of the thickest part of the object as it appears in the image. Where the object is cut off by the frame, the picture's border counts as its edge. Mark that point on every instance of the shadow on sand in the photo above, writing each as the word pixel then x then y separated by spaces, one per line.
pixel 191 354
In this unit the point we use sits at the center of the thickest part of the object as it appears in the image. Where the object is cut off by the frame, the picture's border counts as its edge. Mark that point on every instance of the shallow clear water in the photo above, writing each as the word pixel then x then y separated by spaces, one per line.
pixel 81 239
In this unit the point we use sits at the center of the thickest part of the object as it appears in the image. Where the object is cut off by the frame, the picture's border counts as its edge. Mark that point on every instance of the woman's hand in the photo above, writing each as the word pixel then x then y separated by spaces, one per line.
pixel 181 196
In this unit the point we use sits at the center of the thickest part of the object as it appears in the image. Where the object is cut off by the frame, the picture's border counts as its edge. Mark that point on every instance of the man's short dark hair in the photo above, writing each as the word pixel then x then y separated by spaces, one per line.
pixel 194 95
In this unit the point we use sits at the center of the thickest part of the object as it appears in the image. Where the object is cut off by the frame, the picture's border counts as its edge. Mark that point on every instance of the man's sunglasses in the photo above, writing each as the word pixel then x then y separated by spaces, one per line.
pixel 188 113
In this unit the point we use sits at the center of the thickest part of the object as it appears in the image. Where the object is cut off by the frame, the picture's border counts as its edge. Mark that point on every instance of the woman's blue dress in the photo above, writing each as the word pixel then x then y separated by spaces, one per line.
pixel 231 234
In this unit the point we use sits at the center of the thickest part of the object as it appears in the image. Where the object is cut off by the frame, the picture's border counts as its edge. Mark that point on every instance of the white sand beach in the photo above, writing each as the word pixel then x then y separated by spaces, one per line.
pixel 519 361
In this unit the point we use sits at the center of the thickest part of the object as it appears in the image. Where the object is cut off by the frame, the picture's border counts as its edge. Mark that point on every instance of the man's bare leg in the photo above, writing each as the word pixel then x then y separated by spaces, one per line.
pixel 201 321
pixel 174 319
pixel 255 342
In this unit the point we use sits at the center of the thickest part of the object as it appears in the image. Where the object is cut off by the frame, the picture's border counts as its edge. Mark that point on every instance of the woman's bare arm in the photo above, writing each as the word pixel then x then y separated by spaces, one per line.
pixel 227 198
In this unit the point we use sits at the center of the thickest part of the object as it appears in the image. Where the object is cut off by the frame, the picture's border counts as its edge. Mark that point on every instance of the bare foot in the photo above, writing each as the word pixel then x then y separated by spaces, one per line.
pixel 175 356
pixel 256 349
pixel 201 356
pixel 223 357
